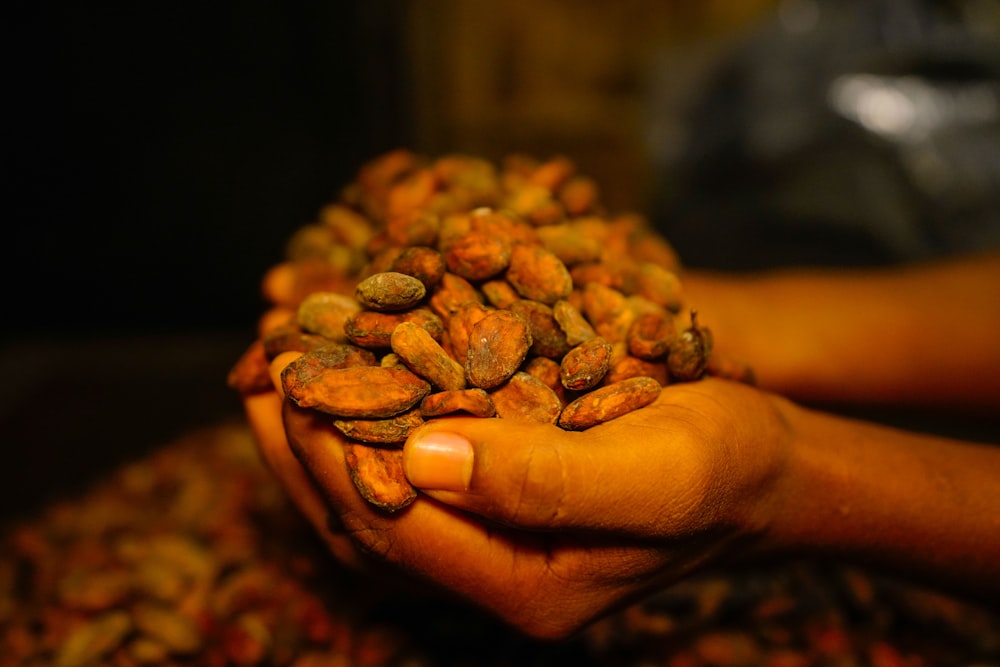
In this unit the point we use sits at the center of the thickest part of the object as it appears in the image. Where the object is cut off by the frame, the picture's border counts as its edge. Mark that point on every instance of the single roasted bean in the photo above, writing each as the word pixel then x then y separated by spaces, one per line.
pixel 390 291
pixel 425 357
pixel 650 335
pixel 392 430
pixel 423 263
pixel 585 365
pixel 477 256
pixel 579 195
pixel 689 354
pixel 572 322
pixel 609 402
pixel 624 366
pixel 310 365
pixel 373 330
pixel 524 397
pixel 498 344
pixel 473 401
pixel 379 477
pixel 572 247
pixel 499 293
pixel 325 313
pixel 538 274
pixel 367 392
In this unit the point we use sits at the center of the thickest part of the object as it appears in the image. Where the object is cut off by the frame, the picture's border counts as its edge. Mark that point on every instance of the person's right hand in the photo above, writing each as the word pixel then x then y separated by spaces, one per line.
pixel 701 460
pixel 549 529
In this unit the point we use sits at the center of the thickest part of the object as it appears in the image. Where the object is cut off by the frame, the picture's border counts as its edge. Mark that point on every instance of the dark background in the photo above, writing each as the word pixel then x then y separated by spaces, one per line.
pixel 157 156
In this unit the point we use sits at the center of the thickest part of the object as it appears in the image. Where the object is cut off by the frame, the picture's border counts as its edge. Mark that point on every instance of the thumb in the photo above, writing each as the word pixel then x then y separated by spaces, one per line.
pixel 539 476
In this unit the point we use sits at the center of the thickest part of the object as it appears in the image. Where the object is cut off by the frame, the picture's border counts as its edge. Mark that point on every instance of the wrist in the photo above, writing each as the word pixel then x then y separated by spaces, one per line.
pixel 912 505
pixel 762 519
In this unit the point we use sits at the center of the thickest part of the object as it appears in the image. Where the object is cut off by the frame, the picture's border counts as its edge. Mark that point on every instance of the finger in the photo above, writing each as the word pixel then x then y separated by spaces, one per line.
pixel 278 364
pixel 264 415
pixel 639 476
pixel 320 451
pixel 472 559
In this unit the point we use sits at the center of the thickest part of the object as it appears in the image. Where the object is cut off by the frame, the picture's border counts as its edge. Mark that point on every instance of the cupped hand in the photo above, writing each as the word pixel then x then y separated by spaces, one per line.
pixel 549 529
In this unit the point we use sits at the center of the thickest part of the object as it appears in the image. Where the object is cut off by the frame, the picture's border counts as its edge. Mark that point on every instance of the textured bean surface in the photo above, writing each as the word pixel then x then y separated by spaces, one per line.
pixel 368 392
pixel 504 290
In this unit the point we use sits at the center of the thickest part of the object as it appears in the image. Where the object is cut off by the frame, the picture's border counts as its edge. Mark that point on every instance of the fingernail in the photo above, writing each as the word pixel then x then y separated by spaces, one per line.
pixel 441 461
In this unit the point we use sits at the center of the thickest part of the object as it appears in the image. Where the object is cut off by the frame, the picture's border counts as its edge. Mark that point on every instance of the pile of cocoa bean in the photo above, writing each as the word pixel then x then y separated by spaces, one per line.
pixel 458 286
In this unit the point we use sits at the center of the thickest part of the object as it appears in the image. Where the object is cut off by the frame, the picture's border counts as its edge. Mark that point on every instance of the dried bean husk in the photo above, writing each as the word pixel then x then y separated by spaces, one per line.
pixel 379 477
pixel 477 256
pixel 585 365
pixel 310 365
pixel 690 353
pixel 572 247
pixel 499 293
pixel 393 430
pixel 390 291
pixel 651 335
pixel 539 275
pixel 473 401
pixel 425 357
pixel 325 313
pixel 526 398
pixel 609 402
pixel 422 262
pixel 498 344
pixel 365 392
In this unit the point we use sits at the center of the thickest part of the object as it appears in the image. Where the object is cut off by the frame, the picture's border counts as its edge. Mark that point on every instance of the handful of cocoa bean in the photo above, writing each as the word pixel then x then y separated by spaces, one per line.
pixel 453 285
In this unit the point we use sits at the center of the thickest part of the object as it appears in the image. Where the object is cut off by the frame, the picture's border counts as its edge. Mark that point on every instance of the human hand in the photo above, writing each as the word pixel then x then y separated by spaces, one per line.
pixel 545 528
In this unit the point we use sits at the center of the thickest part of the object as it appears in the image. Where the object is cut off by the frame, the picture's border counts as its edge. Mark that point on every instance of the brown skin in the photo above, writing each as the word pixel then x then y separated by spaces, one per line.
pixel 918 336
pixel 555 528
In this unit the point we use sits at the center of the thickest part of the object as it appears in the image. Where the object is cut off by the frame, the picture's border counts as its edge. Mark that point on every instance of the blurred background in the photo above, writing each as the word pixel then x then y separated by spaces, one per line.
pixel 158 156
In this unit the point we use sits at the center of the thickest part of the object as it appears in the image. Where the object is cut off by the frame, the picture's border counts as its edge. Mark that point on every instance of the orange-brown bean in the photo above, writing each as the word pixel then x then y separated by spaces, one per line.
pixel 498 344
pixel 539 275
pixel 425 357
pixel 585 365
pixel 609 402
pixel 524 397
